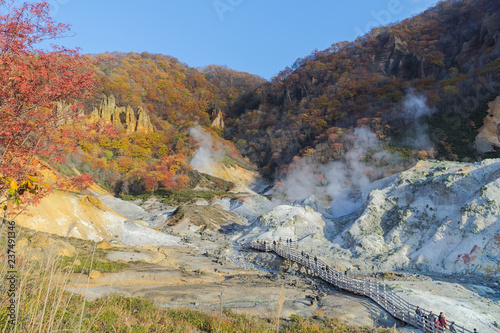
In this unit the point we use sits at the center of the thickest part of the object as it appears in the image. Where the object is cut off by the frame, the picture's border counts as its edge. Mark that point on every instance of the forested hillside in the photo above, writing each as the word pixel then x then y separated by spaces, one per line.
pixel 137 121
pixel 447 58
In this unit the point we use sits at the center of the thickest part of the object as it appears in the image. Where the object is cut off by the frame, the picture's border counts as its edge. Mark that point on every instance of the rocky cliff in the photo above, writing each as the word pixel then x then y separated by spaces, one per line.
pixel 217 119
pixel 394 59
pixel 437 216
pixel 489 134
pixel 123 117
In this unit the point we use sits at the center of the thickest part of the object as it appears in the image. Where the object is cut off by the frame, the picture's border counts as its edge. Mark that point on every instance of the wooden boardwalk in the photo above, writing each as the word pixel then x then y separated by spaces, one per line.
pixel 378 292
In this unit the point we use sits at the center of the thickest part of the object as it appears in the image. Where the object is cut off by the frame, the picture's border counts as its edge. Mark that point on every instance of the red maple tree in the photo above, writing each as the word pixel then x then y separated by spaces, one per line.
pixel 32 82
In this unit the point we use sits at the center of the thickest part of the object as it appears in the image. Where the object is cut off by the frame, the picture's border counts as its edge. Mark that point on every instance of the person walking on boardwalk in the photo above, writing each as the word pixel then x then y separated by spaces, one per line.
pixel 418 312
pixel 442 320
pixel 430 320
pixel 437 326
pixel 431 317
pixel 420 316
pixel 452 327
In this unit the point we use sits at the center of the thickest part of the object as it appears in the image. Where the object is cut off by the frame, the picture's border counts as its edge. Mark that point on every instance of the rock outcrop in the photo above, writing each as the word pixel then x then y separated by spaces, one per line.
pixel 217 119
pixel 122 117
pixel 489 135
pixel 86 217
pixel 393 58
pixel 143 123
pixel 199 217
pixel 490 30
pixel 437 216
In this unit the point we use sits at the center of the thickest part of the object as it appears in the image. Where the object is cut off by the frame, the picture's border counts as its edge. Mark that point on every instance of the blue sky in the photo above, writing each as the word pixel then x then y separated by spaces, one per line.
pixel 256 36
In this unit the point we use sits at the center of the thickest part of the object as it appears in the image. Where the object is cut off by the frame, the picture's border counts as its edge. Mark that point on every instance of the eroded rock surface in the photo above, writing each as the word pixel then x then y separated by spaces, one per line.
pixel 435 217
pixel 123 117
pixel 489 134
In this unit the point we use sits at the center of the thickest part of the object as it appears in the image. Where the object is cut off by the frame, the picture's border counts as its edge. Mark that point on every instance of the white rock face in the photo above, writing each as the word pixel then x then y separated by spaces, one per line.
pixel 125 208
pixel 437 216
pixel 86 217
pixel 488 136
pixel 299 222
pixel 250 207
pixel 135 234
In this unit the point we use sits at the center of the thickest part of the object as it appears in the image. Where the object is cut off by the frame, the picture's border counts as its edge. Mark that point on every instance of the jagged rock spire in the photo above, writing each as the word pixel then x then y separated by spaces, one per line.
pixel 122 117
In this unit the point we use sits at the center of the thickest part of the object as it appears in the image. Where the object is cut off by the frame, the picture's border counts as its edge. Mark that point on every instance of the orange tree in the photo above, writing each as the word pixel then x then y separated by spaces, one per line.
pixel 32 81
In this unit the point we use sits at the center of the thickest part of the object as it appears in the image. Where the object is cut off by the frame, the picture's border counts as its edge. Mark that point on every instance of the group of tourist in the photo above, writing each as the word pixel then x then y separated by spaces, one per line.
pixel 433 323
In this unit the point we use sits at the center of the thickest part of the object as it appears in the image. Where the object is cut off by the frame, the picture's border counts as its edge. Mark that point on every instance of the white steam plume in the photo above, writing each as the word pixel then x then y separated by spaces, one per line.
pixel 416 111
pixel 301 181
pixel 342 180
pixel 205 158
pixel 348 177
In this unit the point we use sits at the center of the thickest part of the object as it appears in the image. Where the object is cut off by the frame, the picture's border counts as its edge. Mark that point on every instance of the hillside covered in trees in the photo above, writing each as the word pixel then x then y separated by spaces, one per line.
pixel 140 115
pixel 447 57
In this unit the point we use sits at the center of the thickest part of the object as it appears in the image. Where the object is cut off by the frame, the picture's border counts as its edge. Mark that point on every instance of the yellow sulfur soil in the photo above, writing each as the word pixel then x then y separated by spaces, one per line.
pixel 69 214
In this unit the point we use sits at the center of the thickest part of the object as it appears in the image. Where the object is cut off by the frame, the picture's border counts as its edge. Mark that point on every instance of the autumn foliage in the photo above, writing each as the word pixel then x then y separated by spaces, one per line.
pixel 176 97
pixel 32 81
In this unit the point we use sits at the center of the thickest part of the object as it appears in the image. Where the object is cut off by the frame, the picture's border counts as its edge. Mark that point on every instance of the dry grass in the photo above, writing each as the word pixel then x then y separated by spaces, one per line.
pixel 41 303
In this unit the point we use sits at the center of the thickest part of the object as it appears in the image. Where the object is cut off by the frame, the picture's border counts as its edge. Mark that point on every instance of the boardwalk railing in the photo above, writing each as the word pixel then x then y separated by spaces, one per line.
pixel 378 292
